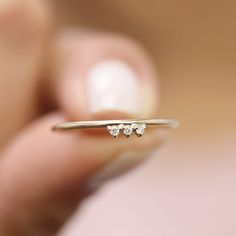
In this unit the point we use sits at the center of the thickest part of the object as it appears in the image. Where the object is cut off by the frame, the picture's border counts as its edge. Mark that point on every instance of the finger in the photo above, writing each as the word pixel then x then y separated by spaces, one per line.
pixel 24 27
pixel 104 76
pixel 50 171
pixel 43 174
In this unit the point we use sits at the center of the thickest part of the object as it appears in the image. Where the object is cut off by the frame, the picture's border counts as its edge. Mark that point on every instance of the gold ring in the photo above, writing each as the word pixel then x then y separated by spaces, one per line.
pixel 115 127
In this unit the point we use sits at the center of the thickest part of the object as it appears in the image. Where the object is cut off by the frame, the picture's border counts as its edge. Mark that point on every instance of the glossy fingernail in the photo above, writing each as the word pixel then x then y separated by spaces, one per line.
pixel 113 86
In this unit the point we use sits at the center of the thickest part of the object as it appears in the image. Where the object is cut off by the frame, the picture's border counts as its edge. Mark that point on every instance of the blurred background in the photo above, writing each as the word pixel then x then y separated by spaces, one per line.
pixel 189 187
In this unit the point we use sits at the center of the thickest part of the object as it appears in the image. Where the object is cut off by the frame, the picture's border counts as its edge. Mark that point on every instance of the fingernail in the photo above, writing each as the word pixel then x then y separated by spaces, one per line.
pixel 113 86
pixel 119 166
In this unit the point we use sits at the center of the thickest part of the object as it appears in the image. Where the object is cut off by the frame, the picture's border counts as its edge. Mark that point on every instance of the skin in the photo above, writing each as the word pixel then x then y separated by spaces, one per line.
pixel 43 175
pixel 190 188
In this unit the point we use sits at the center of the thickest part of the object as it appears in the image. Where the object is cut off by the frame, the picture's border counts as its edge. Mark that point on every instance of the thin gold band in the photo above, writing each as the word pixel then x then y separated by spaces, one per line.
pixel 116 126
pixel 104 123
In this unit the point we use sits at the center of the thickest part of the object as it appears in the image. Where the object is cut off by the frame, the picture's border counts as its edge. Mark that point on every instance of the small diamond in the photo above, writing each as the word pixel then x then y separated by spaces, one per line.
pixel 140 129
pixel 134 126
pixel 127 130
pixel 114 130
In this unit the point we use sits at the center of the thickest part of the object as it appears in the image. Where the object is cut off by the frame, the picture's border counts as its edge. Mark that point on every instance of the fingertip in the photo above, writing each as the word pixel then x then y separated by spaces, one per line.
pixel 106 77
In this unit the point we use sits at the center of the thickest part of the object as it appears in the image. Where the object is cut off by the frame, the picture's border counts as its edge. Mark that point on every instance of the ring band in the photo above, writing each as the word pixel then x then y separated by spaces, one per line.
pixel 115 127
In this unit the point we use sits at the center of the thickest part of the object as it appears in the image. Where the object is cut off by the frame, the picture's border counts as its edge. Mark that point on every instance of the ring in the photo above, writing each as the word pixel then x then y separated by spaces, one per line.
pixel 116 127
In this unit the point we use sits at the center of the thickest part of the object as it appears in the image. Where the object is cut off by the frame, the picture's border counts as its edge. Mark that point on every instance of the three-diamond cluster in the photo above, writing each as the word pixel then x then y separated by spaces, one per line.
pixel 127 129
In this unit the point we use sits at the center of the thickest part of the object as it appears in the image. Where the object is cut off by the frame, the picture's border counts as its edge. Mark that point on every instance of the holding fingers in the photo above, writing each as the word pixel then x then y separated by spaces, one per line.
pixel 44 175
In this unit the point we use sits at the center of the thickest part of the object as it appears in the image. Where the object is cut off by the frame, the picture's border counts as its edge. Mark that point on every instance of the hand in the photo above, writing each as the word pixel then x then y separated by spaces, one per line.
pixel 47 78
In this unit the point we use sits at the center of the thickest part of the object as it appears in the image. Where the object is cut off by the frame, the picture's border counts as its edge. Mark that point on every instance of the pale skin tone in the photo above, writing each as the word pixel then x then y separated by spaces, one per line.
pixel 193 43
pixel 43 174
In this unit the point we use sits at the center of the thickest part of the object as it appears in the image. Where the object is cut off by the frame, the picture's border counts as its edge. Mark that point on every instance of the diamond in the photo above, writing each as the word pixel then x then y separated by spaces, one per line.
pixel 140 129
pixel 134 126
pixel 114 130
pixel 127 130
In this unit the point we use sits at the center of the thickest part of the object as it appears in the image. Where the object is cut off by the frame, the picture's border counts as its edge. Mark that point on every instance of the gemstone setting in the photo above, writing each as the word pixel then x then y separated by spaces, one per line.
pixel 114 130
pixel 127 129
pixel 140 129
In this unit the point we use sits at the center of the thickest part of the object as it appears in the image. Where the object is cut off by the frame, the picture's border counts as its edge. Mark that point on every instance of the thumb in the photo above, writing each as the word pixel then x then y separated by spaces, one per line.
pixel 101 75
